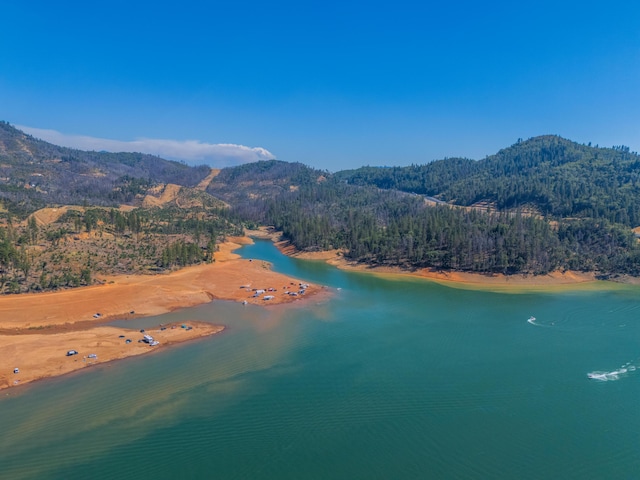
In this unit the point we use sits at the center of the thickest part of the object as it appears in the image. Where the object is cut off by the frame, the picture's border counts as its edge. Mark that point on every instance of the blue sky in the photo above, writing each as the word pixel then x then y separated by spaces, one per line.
pixel 330 84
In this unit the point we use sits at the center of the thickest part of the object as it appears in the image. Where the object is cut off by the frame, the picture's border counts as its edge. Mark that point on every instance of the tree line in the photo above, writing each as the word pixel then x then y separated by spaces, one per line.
pixel 388 227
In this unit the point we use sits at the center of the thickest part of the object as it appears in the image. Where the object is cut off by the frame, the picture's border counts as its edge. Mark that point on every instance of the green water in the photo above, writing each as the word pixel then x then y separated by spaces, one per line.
pixel 388 379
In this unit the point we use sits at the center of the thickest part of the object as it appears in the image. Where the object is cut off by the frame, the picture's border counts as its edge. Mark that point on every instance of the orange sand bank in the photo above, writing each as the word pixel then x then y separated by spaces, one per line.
pixel 496 279
pixel 45 355
pixel 51 323
pixel 335 258
pixel 145 295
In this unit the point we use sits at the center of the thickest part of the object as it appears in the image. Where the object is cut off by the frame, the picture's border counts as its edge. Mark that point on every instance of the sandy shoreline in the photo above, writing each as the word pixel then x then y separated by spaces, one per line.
pixel 52 323
pixel 500 282
pixel 477 280
pixel 40 356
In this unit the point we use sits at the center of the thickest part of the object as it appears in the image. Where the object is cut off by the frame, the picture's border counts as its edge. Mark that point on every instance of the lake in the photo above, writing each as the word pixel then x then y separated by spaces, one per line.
pixel 387 379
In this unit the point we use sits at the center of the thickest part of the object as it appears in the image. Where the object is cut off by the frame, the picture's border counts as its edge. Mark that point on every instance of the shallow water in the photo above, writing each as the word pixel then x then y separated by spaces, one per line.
pixel 386 379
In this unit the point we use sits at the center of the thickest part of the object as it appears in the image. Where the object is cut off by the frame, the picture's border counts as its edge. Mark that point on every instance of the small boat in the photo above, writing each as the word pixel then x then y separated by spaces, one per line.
pixel 531 319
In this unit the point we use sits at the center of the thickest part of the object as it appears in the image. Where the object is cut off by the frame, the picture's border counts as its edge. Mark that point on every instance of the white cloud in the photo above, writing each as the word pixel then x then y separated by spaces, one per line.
pixel 193 152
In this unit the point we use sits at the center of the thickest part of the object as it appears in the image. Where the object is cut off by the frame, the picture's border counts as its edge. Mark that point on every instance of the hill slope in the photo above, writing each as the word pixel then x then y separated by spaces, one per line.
pixel 365 213
pixel 168 222
pixel 34 173
pixel 585 199
pixel 550 174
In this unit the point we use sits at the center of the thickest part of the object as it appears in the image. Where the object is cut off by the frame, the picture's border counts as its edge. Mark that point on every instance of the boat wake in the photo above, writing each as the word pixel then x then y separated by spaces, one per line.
pixel 623 371
pixel 533 321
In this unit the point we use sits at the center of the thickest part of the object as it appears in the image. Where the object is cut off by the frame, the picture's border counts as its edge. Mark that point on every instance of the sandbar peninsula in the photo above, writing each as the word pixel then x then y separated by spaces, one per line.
pixel 38 330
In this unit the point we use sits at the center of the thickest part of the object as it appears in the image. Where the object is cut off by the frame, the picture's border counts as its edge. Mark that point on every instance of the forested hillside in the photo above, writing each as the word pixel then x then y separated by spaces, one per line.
pixel 555 177
pixel 388 227
pixel 105 213
pixel 547 204
pixel 80 243
pixel 260 180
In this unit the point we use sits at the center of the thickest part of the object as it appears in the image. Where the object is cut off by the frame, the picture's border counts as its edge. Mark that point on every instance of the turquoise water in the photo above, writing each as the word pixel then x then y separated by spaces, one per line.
pixel 387 379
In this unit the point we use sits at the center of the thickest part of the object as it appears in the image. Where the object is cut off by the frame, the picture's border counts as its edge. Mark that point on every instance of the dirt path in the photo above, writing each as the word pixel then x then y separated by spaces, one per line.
pixel 202 186
pixel 161 195
pixel 46 216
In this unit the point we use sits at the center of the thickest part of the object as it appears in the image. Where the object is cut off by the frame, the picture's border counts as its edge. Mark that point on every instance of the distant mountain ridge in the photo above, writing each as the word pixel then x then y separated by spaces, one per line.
pixel 556 176
pixel 35 173
pixel 549 174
